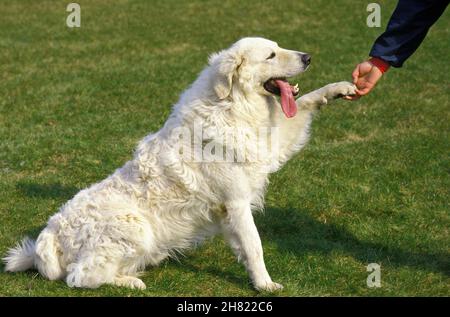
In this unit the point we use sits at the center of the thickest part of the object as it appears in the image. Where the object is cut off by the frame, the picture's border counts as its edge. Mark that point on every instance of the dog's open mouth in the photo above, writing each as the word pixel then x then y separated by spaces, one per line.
pixel 287 92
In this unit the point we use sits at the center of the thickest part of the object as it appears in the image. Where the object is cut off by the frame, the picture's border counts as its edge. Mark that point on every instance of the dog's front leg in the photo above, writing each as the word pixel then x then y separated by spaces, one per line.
pixel 322 96
pixel 240 231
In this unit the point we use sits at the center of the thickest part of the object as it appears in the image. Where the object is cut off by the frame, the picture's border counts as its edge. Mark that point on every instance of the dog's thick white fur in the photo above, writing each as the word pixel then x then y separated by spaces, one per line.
pixel 158 204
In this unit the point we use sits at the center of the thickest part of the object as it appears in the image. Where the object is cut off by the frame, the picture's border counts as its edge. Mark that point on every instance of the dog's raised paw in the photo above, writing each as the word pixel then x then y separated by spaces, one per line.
pixel 341 89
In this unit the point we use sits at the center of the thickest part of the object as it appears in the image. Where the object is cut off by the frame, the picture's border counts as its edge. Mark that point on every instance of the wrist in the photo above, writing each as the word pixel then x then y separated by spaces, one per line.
pixel 382 65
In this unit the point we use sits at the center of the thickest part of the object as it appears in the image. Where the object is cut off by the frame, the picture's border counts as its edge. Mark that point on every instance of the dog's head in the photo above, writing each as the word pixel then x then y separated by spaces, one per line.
pixel 257 65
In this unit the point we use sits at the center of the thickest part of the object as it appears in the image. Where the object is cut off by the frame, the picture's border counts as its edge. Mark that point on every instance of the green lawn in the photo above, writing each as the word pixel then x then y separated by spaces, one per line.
pixel 372 185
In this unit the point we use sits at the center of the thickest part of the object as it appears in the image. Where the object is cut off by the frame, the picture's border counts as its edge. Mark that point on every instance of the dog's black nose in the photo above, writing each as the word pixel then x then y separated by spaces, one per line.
pixel 306 59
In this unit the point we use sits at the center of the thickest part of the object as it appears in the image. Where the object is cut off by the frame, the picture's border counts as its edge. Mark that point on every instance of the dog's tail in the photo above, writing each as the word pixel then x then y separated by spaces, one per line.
pixel 21 257
pixel 42 254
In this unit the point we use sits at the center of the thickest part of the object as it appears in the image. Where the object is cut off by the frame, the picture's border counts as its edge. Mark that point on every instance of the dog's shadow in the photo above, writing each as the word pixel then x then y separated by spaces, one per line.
pixel 296 232
pixel 55 190
pixel 293 232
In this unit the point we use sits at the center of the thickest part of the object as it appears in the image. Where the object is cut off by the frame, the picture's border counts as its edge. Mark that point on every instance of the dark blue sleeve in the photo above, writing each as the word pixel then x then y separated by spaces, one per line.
pixel 406 29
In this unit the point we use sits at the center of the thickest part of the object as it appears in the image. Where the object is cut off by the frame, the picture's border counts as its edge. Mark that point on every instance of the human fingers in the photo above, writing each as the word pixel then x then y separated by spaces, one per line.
pixel 351 98
pixel 363 91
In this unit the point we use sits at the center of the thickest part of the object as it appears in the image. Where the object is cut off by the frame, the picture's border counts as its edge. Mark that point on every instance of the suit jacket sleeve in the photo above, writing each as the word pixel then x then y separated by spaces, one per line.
pixel 406 29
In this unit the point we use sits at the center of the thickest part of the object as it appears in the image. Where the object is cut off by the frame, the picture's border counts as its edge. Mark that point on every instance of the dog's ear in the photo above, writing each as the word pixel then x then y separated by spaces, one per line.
pixel 225 65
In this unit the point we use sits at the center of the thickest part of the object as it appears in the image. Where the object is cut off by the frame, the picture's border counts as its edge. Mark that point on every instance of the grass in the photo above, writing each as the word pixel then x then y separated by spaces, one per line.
pixel 372 185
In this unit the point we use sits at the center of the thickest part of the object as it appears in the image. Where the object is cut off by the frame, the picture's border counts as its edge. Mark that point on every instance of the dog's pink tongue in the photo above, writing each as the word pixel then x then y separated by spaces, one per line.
pixel 287 99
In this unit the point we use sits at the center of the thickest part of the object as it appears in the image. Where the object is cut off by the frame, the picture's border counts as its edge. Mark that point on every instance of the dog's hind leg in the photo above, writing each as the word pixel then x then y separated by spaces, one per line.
pixel 92 271
pixel 114 251
pixel 47 259
pixel 95 270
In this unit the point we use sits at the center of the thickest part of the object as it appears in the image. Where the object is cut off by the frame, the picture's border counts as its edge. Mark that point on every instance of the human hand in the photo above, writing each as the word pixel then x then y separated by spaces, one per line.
pixel 365 76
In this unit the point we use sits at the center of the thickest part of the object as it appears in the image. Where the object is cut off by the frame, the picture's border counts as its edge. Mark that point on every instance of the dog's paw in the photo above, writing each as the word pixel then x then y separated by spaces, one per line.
pixel 269 287
pixel 130 282
pixel 340 89
pixel 137 284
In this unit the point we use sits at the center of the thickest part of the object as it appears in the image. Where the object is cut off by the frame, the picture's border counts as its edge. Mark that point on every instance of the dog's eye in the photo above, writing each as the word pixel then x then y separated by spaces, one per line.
pixel 271 55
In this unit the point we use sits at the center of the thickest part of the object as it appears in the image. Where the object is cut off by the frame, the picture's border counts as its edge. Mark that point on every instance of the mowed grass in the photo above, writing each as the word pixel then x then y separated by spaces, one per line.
pixel 372 185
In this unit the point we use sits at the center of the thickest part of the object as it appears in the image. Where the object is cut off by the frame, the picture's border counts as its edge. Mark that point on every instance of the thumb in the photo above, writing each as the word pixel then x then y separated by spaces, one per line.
pixel 355 74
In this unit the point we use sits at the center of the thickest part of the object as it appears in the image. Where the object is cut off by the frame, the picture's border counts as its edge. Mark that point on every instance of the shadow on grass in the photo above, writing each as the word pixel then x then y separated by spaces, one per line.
pixel 55 190
pixel 188 265
pixel 297 233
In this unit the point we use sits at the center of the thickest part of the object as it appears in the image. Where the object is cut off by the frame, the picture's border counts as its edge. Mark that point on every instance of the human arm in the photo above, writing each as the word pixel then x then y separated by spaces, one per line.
pixel 406 30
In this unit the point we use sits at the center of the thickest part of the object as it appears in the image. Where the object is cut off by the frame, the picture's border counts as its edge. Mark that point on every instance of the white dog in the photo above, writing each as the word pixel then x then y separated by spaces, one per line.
pixel 163 201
